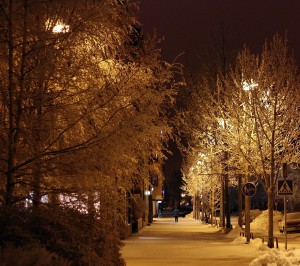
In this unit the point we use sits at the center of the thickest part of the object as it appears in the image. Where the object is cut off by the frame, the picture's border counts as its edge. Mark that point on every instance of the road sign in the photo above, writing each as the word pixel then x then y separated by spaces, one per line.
pixel 249 189
pixel 285 187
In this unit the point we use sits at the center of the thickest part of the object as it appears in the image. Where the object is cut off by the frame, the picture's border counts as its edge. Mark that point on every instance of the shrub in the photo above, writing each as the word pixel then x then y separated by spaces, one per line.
pixel 71 236
pixel 29 255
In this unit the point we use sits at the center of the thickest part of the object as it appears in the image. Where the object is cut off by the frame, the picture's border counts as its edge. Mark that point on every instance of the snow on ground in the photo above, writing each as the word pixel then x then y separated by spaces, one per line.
pixel 235 232
pixel 191 242
pixel 262 222
pixel 276 257
pixel 267 257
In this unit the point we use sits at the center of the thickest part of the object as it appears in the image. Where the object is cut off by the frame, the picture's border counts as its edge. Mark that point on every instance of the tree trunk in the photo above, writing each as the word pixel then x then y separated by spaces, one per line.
pixel 37 178
pixel 213 218
pixel 91 203
pixel 227 201
pixel 222 216
pixel 10 181
pixel 270 208
pixel 240 202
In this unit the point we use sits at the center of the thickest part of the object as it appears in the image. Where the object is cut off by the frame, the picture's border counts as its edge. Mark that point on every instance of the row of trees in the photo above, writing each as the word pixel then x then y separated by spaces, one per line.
pixel 83 104
pixel 245 123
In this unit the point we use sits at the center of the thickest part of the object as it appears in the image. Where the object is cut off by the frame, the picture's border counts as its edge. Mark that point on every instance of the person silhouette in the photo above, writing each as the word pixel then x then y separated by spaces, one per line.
pixel 176 215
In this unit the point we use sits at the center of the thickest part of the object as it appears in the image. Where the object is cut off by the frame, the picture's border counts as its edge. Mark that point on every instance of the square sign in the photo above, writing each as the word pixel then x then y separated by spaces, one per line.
pixel 285 187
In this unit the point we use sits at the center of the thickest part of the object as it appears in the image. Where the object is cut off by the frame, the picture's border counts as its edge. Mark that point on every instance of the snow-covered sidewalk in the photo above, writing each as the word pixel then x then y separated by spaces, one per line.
pixel 190 242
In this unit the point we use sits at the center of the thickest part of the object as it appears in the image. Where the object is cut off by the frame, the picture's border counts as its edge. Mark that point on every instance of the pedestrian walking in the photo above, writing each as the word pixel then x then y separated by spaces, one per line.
pixel 176 215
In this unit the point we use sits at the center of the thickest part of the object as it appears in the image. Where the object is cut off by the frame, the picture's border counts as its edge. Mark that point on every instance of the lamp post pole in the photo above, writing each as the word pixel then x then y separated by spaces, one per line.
pixel 226 192
pixel 247 214
pixel 222 216
pixel 248 87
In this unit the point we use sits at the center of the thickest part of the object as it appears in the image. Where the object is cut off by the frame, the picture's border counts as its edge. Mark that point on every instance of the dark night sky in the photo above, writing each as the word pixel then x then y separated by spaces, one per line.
pixel 187 24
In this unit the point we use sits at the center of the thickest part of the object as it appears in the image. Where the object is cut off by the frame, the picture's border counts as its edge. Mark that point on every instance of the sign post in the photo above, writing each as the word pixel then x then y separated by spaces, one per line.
pixel 249 190
pixel 284 187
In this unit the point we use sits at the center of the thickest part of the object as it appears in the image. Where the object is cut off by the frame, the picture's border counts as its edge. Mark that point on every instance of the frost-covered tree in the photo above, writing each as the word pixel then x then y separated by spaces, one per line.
pixel 73 83
pixel 262 110
pixel 46 56
pixel 201 117
pixel 253 114
pixel 202 181
pixel 83 105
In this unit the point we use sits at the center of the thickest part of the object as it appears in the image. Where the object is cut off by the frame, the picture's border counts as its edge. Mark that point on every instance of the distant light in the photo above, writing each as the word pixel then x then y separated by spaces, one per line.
pixel 45 199
pixel 61 28
pixel 223 123
pixel 56 26
pixel 248 87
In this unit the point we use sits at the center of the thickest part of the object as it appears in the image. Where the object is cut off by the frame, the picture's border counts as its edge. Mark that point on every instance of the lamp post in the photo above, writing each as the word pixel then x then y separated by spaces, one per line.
pixel 247 214
pixel 226 192
pixel 225 196
pixel 248 87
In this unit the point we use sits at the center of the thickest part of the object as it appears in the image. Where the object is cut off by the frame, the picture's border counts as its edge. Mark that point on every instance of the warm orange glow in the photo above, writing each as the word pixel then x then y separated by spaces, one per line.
pixel 58 28
pixel 247 86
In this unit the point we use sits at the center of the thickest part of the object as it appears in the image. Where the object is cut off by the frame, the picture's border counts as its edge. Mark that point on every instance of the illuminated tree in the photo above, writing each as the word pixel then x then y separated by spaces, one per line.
pixel 83 105
pixel 262 107
pixel 73 83
pixel 202 181
pixel 201 119
pixel 257 104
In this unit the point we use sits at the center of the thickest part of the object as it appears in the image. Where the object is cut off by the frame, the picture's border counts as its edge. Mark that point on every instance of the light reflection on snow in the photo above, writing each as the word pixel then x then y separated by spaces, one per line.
pixel 154 238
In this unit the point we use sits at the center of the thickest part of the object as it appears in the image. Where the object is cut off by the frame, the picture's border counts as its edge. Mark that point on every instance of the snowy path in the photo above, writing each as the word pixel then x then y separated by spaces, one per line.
pixel 185 243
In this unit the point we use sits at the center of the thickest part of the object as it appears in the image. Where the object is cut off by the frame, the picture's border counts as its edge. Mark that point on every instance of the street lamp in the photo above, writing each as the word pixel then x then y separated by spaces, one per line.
pixel 248 87
pixel 57 26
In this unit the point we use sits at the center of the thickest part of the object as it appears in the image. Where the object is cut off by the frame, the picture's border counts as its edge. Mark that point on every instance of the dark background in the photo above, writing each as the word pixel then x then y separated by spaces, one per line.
pixel 186 25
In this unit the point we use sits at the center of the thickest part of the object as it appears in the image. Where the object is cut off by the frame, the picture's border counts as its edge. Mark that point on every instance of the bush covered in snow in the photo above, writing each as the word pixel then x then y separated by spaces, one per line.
pixel 57 234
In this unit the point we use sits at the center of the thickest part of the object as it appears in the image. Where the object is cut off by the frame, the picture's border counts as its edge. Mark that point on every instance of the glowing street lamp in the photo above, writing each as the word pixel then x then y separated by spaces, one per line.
pixel 248 87
pixel 58 27
pixel 61 28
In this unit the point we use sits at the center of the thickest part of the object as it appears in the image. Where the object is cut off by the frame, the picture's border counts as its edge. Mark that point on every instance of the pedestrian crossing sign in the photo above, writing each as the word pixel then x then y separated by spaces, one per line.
pixel 285 187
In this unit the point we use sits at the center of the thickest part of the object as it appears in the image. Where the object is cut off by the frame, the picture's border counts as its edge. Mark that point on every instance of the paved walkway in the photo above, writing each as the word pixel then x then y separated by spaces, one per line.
pixel 188 242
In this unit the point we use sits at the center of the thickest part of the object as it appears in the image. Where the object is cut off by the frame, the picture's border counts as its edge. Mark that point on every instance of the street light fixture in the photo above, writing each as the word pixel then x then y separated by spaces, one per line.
pixel 248 87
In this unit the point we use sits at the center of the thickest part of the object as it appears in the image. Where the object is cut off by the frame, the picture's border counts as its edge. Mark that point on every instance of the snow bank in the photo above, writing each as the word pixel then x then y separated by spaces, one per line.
pixel 262 220
pixel 235 232
pixel 238 240
pixel 276 257
pixel 255 243
pixel 254 213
